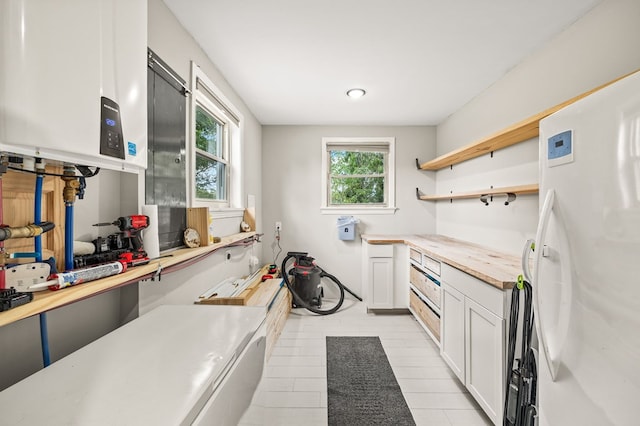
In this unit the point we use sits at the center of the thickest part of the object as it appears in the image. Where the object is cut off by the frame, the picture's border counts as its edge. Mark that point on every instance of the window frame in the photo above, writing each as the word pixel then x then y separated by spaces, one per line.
pixel 209 97
pixel 355 143
pixel 208 107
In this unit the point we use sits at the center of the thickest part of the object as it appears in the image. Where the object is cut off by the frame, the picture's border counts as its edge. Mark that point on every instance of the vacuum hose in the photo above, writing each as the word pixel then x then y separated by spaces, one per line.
pixel 306 268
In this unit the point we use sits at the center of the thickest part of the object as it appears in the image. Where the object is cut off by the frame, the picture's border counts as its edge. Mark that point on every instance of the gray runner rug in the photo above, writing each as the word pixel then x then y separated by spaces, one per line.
pixel 361 387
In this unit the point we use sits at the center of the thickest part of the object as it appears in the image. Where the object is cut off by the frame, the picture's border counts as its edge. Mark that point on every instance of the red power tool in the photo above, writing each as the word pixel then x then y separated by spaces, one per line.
pixel 131 227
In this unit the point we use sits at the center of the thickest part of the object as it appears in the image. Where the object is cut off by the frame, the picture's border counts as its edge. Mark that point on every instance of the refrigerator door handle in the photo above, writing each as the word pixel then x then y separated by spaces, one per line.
pixel 526 252
pixel 545 214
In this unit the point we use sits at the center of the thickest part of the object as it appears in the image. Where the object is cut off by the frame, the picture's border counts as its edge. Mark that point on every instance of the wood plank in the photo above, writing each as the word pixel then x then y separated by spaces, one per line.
pixel 198 219
pixel 516 133
pixel 277 318
pixel 265 292
pixel 519 132
pixel 497 268
pixel 47 300
pixel 18 210
pixel 518 190
pixel 249 217
pixel 241 299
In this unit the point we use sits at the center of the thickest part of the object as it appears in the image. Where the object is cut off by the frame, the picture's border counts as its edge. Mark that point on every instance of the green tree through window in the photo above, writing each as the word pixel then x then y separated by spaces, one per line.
pixel 356 177
pixel 209 173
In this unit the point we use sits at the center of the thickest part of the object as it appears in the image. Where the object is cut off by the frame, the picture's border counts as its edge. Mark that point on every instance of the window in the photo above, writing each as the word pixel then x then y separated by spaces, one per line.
pixel 358 174
pixel 211 153
pixel 215 148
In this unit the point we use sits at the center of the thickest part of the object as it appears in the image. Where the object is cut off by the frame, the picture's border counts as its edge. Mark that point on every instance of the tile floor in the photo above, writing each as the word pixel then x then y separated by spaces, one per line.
pixel 293 390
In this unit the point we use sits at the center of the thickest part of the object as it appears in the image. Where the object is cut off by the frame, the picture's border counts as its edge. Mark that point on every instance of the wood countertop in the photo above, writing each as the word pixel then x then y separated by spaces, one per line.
pixel 497 268
pixel 47 300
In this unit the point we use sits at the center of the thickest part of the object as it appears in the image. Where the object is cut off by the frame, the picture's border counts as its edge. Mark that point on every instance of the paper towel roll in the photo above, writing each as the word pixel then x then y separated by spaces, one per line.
pixel 150 235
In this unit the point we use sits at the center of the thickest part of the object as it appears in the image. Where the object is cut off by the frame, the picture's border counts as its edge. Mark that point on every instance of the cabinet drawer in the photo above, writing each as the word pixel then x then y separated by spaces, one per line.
pixel 415 255
pixel 380 250
pixel 429 318
pixel 430 289
pixel 431 264
pixel 495 300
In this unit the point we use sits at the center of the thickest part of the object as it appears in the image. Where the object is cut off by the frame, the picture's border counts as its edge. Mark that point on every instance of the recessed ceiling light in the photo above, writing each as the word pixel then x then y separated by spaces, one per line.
pixel 355 93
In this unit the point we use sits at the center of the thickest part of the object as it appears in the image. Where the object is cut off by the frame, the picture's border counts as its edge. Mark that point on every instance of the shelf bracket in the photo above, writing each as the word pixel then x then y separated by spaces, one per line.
pixel 418 164
pixel 483 199
pixel 418 194
pixel 510 197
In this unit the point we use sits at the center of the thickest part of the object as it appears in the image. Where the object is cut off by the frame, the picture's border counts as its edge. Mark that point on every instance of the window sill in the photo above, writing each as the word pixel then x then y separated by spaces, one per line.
pixel 224 213
pixel 358 210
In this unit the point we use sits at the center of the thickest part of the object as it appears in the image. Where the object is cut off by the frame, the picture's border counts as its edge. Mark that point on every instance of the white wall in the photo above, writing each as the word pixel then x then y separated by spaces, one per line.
pixel 601 46
pixel 112 194
pixel 292 162
pixel 171 42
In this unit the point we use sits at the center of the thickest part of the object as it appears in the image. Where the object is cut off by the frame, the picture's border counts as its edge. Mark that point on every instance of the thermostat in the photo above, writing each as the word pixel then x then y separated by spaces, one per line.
pixel 560 148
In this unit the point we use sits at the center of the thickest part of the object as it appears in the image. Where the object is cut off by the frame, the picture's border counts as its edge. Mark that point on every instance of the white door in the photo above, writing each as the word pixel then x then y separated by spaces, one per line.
pixel 452 339
pixel 485 358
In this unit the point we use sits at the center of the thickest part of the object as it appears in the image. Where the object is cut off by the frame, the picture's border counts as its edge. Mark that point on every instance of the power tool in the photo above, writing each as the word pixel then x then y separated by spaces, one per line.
pixel 129 239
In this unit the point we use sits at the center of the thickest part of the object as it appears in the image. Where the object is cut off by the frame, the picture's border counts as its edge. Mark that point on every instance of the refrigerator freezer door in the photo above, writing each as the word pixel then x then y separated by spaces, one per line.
pixel 593 249
pixel 552 285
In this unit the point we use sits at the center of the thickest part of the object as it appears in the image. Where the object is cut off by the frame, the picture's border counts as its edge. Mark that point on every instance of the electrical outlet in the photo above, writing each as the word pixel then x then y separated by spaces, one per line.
pixel 278 226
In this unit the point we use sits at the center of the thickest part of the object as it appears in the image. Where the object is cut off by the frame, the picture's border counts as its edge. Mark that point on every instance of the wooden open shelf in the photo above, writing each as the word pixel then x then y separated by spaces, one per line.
pixel 519 132
pixel 518 190
pixel 47 300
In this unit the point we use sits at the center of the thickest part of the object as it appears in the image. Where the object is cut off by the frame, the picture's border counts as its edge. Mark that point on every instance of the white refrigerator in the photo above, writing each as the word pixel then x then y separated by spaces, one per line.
pixel 586 273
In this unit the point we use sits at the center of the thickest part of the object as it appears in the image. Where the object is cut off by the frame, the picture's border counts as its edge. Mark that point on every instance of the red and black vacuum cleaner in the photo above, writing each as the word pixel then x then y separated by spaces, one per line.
pixel 307 286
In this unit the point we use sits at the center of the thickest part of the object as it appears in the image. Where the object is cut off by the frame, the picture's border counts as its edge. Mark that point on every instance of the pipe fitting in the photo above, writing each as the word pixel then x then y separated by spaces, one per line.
pixel 71 185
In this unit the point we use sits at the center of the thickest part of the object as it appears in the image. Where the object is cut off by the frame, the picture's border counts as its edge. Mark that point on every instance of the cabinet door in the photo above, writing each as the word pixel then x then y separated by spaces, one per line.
pixel 380 283
pixel 485 358
pixel 452 339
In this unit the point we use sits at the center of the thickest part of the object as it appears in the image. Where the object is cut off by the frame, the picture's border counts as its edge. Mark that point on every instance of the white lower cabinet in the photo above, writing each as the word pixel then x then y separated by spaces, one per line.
pixel 378 275
pixel 474 337
pixel 484 358
pixel 385 278
pixel 452 342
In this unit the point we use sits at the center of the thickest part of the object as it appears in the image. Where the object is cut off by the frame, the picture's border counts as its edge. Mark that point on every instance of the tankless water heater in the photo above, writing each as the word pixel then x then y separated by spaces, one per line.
pixel 73 84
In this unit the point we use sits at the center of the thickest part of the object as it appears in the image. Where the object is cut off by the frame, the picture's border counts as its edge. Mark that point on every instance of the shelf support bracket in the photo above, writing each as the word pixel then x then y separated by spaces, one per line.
pixel 418 164
pixel 510 197
pixel 418 194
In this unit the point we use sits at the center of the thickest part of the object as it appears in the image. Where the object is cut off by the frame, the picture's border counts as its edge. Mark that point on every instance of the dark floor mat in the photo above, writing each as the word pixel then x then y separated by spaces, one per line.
pixel 361 387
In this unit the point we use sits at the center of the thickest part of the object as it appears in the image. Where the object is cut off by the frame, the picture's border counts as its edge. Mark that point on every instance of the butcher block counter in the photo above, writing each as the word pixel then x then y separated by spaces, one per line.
pixel 459 293
pixel 493 267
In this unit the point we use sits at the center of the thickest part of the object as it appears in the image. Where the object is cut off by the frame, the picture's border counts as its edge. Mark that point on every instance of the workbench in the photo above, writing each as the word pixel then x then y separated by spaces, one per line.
pixel 47 300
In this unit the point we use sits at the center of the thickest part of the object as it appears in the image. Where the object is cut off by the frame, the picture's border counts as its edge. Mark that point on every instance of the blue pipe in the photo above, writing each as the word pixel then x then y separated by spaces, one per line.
pixel 37 218
pixel 44 340
pixel 68 236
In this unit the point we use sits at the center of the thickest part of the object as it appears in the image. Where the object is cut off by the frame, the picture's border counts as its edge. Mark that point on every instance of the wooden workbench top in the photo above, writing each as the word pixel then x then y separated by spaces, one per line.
pixel 47 300
pixel 497 268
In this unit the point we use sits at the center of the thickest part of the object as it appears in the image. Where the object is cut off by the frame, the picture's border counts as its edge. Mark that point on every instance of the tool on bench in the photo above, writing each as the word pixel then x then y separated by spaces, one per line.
pixel 78 276
pixel 10 298
pixel 22 276
pixel 125 245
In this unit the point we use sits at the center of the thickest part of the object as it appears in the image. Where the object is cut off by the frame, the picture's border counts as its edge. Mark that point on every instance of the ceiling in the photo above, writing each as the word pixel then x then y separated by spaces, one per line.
pixel 292 61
